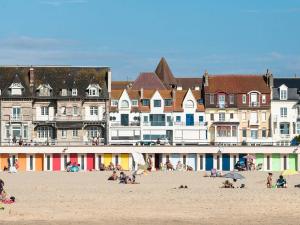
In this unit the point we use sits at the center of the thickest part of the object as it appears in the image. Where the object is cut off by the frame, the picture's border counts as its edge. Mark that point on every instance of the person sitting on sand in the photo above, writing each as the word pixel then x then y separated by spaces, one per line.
pixel 227 184
pixel 5 197
pixel 102 167
pixel 281 182
pixel 114 176
pixel 111 166
pixel 169 165
pixel 269 180
pixel 179 166
pixel 119 167
pixel 213 172
pixel 189 168
pixel 122 178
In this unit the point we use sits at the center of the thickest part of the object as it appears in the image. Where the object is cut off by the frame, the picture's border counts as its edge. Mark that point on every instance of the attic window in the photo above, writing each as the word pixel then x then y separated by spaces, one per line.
pixel 168 102
pixel 114 102
pixel 44 90
pixel 93 90
pixel 64 92
pixel 16 89
pixel 74 92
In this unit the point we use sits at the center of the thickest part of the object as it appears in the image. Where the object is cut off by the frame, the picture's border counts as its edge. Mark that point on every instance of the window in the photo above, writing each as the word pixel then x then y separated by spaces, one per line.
pixel 157 119
pixel 124 120
pixel 63 110
pixel 283 94
pixel 157 103
pixel 75 132
pixel 124 104
pixel 254 134
pixel 284 128
pixel 92 92
pixel 74 92
pixel 283 112
pixel 234 133
pixel 63 133
pixel 189 104
pixel 221 116
pixel 25 131
pixel 16 131
pixel 263 99
pixel 231 115
pixel 231 99
pixel 75 110
pixel 134 102
pixel 93 132
pixel 114 102
pixel 7 131
pixel 211 98
pixel 244 99
pixel 263 133
pixel 145 102
pixel 16 113
pixel 178 119
pixel 44 90
pixel 244 132
pixel 253 99
pixel 264 116
pixel 221 101
pixel 45 132
pixel 212 117
pixel 64 92
pixel 201 119
pixel 146 119
pixel 168 102
pixel 94 111
pixel 298 127
pixel 16 89
pixel 223 131
pixel 253 118
pixel 44 111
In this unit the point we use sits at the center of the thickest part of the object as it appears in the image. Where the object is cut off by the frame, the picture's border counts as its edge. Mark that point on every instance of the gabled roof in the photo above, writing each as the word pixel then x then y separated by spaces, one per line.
pixel 148 81
pixel 165 74
pixel 236 84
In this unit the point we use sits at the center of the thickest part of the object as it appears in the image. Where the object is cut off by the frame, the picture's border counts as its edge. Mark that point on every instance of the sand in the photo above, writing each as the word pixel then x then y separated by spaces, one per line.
pixel 88 198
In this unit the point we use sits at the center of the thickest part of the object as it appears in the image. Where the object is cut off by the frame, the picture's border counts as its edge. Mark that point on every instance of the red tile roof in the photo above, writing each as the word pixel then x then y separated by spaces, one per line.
pixel 164 73
pixel 148 81
pixel 117 85
pixel 236 84
pixel 189 82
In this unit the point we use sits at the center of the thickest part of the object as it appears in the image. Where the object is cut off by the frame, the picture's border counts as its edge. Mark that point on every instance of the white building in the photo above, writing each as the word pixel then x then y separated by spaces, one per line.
pixel 146 116
pixel 285 110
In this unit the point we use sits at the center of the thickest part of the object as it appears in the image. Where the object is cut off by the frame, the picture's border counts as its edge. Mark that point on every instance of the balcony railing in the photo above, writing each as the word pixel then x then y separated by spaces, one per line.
pixel 254 104
pixel 16 117
pixel 195 124
pixel 119 124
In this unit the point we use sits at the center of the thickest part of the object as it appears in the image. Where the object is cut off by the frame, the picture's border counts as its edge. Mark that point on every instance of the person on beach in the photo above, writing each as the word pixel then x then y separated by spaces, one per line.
pixel 179 166
pixel 269 180
pixel 119 167
pixel 149 163
pixel 281 182
pixel 114 176
pixel 102 167
pixel 169 165
pixel 111 166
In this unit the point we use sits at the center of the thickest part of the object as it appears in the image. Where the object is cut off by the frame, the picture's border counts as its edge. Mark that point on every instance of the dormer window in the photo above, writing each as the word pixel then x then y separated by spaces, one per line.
pixel 44 90
pixel 135 102
pixel 145 102
pixel 74 92
pixel 221 101
pixel 16 88
pixel 168 102
pixel 93 90
pixel 157 103
pixel 64 92
pixel 114 102
pixel 283 93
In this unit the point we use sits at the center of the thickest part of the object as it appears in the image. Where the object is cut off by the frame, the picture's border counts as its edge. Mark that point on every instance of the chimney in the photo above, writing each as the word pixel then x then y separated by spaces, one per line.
pixel 205 78
pixel 270 80
pixel 142 93
pixel 174 96
pixel 31 77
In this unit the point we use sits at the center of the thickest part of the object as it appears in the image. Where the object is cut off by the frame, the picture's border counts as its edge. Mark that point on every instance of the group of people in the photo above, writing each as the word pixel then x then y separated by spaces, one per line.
pixel 110 167
pixel 11 167
pixel 228 184
pixel 123 178
pixel 179 167
pixel 4 196
pixel 280 183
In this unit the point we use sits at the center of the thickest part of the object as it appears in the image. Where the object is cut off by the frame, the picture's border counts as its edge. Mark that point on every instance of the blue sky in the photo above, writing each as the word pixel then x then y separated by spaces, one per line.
pixel 132 35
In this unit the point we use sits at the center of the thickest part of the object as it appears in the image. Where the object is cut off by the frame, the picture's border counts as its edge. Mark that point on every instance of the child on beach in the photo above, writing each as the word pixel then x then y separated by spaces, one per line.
pixel 269 180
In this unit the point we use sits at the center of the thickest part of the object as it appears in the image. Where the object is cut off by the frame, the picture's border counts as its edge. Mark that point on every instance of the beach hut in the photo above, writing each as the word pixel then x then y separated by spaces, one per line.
pixel 259 159
pixel 64 159
pixel 73 158
pixel 174 158
pixel 107 159
pixel 226 162
pixel 48 162
pixel 276 162
pixel 82 160
pixel 4 162
pixel 209 161
pixel 22 162
pixel 192 161
pixel 293 161
pixel 90 161
pixel 30 162
pixel 125 161
pixel 39 162
pixel 99 159
pixel 56 160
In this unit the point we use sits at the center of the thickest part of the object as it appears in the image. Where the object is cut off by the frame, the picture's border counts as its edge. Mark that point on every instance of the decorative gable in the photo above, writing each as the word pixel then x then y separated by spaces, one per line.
pixel 16 88
pixel 124 100
pixel 189 102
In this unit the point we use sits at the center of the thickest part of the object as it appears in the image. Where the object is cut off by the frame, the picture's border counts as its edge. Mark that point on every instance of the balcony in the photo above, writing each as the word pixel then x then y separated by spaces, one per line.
pixel 16 117
pixel 254 104
pixel 119 124
pixel 222 105
pixel 155 123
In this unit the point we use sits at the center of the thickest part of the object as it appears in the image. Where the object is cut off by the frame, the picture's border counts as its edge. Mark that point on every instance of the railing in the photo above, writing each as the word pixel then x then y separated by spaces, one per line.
pixel 195 124
pixel 118 124
pixel 155 123
pixel 125 138
pixel 16 117
pixel 254 104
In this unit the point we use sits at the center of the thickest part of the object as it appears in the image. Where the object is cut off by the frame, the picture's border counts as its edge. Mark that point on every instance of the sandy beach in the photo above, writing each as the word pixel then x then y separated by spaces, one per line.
pixel 88 198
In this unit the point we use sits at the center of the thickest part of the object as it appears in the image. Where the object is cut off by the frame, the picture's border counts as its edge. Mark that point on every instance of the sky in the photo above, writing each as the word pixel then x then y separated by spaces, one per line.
pixel 130 36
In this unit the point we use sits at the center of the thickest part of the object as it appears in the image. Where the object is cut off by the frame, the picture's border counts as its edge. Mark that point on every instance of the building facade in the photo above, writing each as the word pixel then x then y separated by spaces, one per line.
pixel 53 105
pixel 285 110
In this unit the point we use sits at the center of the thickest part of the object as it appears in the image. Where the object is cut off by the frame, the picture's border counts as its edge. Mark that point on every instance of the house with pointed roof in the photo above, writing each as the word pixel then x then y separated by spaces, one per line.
pixel 165 116
pixel 53 105
pixel 285 107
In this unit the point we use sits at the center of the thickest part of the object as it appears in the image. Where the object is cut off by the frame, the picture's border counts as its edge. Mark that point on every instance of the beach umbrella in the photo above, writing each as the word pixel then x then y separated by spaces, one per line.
pixel 289 172
pixel 234 175
pixel 249 157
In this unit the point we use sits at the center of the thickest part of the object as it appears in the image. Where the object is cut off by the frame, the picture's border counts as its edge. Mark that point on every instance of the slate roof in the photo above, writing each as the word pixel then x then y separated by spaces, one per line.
pixel 236 84
pixel 293 85
pixel 148 81
pixel 57 77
